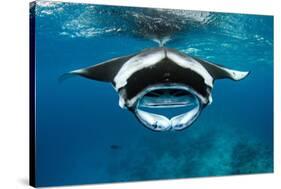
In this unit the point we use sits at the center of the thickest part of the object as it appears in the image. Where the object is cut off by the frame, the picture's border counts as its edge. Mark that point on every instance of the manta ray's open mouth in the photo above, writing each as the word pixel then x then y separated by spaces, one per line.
pixel 170 98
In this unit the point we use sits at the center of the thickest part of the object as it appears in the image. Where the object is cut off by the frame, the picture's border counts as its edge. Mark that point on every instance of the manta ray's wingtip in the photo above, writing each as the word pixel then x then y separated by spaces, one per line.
pixel 68 75
pixel 239 75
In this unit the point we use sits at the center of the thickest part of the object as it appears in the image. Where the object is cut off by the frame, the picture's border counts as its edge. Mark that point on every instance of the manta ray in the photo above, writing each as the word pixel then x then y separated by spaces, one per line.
pixel 161 78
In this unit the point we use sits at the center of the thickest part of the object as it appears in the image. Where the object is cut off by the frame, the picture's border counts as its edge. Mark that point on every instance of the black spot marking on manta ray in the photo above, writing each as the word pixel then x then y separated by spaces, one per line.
pixel 165 72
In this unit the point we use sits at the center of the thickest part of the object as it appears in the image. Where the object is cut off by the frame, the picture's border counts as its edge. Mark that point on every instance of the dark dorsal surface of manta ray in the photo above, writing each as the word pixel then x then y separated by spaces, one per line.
pixel 161 78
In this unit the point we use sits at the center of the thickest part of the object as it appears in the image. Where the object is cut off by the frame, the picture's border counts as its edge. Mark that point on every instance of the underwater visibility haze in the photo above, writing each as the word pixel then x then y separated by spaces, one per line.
pixel 84 137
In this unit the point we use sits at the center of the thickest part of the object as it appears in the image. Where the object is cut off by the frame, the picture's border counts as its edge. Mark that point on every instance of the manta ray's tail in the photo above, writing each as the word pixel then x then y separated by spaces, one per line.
pixel 162 41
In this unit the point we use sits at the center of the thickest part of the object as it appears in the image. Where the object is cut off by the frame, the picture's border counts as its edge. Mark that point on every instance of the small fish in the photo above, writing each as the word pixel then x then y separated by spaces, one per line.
pixel 115 147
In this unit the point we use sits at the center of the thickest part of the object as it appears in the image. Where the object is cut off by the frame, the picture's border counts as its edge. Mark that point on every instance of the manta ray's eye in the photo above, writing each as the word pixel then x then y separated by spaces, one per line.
pixel 163 108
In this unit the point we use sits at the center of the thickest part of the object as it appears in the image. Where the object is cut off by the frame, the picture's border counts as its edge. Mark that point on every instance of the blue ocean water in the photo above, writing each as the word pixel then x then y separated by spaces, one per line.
pixel 83 136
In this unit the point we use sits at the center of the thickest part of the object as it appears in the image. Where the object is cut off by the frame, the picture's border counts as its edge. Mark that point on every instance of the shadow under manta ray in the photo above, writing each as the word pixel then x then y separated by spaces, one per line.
pixel 161 78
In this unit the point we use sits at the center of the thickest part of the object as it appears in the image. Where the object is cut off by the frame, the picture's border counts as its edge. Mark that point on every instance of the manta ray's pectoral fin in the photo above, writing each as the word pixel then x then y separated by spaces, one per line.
pixel 220 72
pixel 104 71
